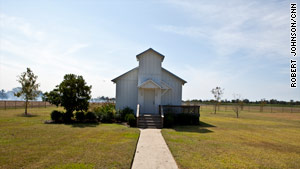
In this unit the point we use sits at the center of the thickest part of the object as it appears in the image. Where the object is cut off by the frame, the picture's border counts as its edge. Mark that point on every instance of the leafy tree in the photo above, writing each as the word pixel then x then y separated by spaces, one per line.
pixel 3 94
pixel 217 92
pixel 53 97
pixel 72 93
pixel 246 101
pixel 29 89
pixel 263 102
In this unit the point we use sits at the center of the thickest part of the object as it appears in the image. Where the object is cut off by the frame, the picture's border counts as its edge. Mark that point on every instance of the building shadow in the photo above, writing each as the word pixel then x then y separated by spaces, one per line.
pixel 203 124
pixel 201 128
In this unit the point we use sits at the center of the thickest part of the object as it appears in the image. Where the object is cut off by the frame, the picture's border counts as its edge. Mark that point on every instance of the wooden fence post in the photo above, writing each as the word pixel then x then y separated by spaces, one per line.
pixel 271 109
pixel 15 104
pixel 4 105
pixel 45 104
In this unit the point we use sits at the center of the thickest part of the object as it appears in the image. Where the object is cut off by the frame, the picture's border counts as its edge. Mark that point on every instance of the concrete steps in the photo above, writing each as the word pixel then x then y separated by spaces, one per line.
pixel 150 121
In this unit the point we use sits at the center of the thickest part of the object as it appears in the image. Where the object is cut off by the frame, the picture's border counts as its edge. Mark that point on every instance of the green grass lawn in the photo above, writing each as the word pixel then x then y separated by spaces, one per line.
pixel 26 142
pixel 255 140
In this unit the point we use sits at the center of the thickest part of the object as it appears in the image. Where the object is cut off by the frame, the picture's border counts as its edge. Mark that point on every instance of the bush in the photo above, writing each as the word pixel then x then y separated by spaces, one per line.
pixel 57 116
pixel 106 112
pixel 126 111
pixel 91 117
pixel 67 117
pixel 118 116
pixel 169 119
pixel 80 116
pixel 187 119
pixel 131 120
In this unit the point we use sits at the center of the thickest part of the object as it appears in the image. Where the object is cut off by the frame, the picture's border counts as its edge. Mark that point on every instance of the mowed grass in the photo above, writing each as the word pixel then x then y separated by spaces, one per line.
pixel 26 142
pixel 255 140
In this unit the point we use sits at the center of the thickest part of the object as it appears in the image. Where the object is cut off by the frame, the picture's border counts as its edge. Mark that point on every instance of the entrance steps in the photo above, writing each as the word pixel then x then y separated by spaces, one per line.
pixel 150 121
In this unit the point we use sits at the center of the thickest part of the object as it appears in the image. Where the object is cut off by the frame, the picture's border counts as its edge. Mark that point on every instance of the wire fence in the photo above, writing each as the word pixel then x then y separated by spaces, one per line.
pixel 247 108
pixel 9 104
pixel 13 104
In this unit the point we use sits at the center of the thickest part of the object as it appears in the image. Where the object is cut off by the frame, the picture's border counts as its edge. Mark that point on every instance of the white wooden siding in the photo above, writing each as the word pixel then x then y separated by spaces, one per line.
pixel 127 91
pixel 149 68
pixel 173 96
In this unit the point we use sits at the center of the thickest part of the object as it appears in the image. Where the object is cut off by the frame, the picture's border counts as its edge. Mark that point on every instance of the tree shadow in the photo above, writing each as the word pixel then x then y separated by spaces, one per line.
pixel 74 124
pixel 83 125
pixel 28 115
pixel 201 128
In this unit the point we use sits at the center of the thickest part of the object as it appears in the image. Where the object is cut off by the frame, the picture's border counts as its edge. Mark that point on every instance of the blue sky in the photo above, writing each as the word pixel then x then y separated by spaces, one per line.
pixel 242 46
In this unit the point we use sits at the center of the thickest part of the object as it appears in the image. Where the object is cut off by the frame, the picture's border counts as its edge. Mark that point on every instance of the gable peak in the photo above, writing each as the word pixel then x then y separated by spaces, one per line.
pixel 150 50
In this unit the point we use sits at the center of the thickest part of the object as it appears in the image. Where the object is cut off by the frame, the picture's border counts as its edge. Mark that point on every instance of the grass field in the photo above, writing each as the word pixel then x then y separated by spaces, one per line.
pixel 255 140
pixel 26 142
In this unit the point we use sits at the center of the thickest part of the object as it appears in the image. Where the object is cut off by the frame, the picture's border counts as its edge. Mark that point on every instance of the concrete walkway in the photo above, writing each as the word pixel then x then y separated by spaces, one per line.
pixel 152 152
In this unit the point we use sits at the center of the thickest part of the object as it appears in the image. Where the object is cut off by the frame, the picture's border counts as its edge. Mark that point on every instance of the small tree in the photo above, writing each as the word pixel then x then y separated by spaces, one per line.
pixel 29 89
pixel 72 93
pixel 238 105
pixel 217 92
pixel 262 104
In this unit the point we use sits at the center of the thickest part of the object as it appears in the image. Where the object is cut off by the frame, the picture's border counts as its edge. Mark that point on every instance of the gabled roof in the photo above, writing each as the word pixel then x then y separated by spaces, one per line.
pixel 150 49
pixel 149 83
pixel 183 81
pixel 163 69
pixel 114 80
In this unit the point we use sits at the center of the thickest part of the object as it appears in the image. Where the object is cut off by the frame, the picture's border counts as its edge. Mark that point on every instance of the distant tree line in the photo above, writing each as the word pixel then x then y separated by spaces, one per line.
pixel 245 101
pixel 103 99
pixel 10 94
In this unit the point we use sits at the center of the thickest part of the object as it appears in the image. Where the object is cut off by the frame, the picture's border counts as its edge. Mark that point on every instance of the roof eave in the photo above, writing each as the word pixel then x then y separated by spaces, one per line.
pixel 183 81
pixel 115 79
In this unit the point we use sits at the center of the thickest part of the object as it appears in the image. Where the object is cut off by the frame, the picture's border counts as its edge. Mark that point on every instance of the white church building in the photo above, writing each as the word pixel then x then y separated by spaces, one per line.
pixel 148 85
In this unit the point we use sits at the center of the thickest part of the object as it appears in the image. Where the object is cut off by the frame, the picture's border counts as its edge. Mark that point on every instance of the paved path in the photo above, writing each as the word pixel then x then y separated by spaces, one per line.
pixel 152 152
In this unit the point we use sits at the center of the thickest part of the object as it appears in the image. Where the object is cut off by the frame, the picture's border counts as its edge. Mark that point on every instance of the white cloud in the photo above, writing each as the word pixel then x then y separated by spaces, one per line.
pixel 23 45
pixel 17 24
pixel 51 55
pixel 194 32
pixel 254 32
pixel 229 26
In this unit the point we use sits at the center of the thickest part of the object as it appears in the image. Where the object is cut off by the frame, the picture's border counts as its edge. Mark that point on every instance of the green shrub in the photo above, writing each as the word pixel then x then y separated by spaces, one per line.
pixel 169 119
pixel 195 119
pixel 124 112
pixel 57 116
pixel 187 119
pixel 80 116
pixel 91 117
pixel 131 120
pixel 118 116
pixel 106 112
pixel 67 117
